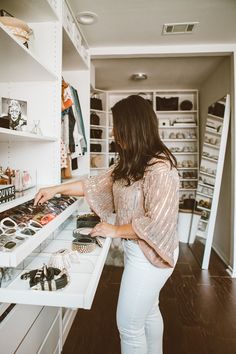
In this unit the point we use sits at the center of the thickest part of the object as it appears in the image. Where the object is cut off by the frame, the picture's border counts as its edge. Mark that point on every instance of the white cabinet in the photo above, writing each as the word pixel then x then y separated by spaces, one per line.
pixel 34 75
pixel 179 130
pixel 99 132
pixel 210 175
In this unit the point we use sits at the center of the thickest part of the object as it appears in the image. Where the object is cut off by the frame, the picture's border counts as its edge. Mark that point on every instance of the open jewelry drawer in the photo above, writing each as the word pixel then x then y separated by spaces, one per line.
pixel 83 275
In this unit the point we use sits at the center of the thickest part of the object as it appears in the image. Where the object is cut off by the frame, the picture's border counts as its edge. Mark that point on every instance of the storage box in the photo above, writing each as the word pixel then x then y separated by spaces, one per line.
pixel 7 191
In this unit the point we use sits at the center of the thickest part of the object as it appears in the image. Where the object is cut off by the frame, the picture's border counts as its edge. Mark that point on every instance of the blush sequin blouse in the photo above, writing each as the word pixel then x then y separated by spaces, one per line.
pixel 150 205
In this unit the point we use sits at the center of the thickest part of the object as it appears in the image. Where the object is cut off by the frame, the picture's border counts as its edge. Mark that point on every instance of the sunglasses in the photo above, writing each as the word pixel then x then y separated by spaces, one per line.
pixel 28 231
pixel 7 243
pixel 8 223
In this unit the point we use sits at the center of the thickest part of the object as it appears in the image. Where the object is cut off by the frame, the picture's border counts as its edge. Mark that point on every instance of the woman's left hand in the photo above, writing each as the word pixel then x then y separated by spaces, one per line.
pixel 104 229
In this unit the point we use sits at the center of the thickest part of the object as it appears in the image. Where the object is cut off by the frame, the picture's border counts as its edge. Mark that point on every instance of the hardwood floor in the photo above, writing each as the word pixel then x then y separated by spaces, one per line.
pixel 198 307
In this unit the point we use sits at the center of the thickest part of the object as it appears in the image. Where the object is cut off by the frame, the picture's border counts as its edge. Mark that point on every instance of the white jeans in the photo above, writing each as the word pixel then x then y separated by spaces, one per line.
pixel 138 316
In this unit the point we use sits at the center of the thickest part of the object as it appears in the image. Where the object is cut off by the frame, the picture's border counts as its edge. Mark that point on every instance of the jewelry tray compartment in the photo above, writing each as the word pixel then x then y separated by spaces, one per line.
pixel 14 257
pixel 83 276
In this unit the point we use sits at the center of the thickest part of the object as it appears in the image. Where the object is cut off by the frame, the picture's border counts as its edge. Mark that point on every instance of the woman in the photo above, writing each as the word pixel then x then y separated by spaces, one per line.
pixel 142 188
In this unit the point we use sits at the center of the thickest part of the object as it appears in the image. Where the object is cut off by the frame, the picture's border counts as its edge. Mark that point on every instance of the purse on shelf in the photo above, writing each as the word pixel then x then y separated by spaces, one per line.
pixel 167 104
pixel 95 133
pixel 186 105
pixel 95 147
pixel 94 119
pixel 97 161
pixel 217 109
pixel 96 103
pixel 112 147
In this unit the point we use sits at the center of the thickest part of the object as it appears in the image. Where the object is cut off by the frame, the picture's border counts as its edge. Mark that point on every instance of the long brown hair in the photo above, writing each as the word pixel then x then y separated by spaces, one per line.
pixel 137 138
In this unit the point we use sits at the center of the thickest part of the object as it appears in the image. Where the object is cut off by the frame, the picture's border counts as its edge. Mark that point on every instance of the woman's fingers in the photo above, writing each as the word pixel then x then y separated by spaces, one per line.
pixel 42 196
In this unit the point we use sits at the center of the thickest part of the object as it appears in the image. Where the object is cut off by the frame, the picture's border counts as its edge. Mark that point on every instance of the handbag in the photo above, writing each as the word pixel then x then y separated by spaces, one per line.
pixel 95 133
pixel 96 103
pixel 95 147
pixel 112 147
pixel 167 104
pixel 94 119
pixel 186 105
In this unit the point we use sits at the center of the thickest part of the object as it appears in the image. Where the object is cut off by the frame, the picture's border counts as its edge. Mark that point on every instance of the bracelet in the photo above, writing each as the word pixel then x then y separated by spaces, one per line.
pixel 46 278
pixel 77 233
pixel 84 244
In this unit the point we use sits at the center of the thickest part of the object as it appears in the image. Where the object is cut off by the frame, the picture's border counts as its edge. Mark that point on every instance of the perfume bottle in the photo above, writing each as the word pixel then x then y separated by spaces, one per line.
pixel 36 128
pixel 4 179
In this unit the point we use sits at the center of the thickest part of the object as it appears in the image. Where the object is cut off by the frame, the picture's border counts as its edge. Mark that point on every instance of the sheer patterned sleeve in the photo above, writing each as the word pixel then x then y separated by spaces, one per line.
pixel 157 229
pixel 99 195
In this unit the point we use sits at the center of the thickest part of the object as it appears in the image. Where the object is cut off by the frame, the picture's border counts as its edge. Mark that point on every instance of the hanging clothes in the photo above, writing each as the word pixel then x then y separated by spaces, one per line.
pixel 72 125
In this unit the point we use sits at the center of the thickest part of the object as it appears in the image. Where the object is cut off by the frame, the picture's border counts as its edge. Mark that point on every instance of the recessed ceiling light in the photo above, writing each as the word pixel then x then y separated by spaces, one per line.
pixel 87 17
pixel 139 76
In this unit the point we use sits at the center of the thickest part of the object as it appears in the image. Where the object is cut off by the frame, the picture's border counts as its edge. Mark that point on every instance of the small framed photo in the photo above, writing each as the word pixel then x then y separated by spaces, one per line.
pixel 15 111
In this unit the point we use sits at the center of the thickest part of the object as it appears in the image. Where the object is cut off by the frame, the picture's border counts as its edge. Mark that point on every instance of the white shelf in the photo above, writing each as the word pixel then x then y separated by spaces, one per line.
pixel 209 159
pixel 202 208
pixel 97 126
pixel 84 277
pixel 97 111
pixel 200 233
pixel 205 195
pixel 204 221
pixel 215 117
pixel 187 189
pixel 184 126
pixel 212 146
pixel 185 153
pixel 71 58
pixel 14 135
pixel 187 168
pixel 30 11
pixel 188 179
pixel 205 185
pixel 176 112
pixel 28 67
pixel 212 132
pixel 97 139
pixel 21 197
pixel 14 257
pixel 179 140
pixel 97 153
pixel 207 174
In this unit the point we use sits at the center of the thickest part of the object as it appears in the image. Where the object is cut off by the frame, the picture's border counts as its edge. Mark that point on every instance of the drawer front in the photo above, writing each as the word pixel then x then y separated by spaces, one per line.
pixel 15 326
pixel 51 342
pixel 37 333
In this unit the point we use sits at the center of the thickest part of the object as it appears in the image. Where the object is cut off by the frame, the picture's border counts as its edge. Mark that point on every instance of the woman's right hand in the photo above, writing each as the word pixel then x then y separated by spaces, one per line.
pixel 45 194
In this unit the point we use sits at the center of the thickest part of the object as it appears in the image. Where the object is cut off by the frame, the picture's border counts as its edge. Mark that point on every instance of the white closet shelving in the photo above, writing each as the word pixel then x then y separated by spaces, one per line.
pixel 181 139
pixel 57 48
pixel 210 175
pixel 99 135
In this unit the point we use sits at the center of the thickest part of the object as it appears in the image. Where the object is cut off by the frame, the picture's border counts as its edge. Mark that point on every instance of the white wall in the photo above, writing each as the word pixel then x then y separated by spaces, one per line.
pixel 217 85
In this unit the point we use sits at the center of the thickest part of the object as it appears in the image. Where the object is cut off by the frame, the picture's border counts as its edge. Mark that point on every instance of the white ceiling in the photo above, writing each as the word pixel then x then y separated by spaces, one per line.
pixel 163 73
pixel 139 23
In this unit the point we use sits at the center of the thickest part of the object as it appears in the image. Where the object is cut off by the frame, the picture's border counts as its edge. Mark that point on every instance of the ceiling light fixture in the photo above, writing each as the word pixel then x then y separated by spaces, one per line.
pixel 179 28
pixel 87 17
pixel 139 76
